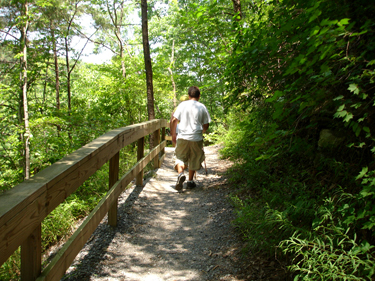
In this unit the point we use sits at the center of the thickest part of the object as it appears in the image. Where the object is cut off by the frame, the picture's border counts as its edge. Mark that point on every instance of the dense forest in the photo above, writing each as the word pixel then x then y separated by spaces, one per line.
pixel 289 85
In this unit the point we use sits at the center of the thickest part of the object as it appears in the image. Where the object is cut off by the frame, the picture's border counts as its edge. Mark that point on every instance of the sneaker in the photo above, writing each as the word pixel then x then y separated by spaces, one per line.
pixel 180 181
pixel 191 184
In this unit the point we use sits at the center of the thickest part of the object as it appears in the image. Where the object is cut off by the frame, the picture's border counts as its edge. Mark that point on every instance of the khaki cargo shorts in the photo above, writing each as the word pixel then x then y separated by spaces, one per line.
pixel 189 153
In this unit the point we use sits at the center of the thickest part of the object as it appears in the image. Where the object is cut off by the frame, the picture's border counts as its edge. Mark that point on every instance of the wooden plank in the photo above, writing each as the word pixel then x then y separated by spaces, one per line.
pixel 113 178
pixel 20 227
pixel 161 160
pixel 31 255
pixel 162 147
pixel 157 142
pixel 169 138
pixel 61 262
pixel 26 205
pixel 140 155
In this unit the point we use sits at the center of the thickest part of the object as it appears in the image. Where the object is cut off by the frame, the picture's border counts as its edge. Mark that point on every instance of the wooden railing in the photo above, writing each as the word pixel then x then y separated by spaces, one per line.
pixel 23 208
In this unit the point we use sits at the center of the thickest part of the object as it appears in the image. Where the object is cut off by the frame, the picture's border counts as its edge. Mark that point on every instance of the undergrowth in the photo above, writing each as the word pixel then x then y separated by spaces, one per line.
pixel 298 201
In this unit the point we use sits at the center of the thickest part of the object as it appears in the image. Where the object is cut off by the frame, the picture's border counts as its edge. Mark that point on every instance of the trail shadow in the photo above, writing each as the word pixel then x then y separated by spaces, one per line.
pixel 101 239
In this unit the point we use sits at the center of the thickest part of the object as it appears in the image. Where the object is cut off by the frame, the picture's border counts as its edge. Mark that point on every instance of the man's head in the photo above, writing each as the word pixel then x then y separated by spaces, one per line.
pixel 194 92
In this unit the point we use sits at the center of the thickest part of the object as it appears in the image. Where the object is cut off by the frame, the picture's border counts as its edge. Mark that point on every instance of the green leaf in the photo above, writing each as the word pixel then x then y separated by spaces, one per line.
pixel 343 22
pixel 275 96
pixel 354 88
pixel 348 117
pixel 339 97
pixel 362 173
pixel 339 114
pixel 368 225
pixel 315 15
pixel 277 113
pixel 315 31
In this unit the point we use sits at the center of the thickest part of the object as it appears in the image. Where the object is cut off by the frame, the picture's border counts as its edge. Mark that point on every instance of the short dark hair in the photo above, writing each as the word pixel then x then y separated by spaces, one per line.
pixel 194 92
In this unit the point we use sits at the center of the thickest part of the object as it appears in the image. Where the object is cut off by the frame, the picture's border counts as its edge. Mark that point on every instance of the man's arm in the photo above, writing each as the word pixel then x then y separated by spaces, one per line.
pixel 173 130
pixel 205 127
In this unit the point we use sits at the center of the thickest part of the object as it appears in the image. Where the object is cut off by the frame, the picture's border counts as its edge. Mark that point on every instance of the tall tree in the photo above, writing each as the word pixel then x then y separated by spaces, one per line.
pixel 15 25
pixel 171 73
pixel 24 26
pixel 148 65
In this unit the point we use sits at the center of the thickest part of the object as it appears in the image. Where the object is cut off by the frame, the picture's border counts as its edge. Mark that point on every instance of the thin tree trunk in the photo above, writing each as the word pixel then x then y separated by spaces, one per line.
pixel 57 74
pixel 68 73
pixel 117 22
pixel 173 83
pixel 24 96
pixel 57 78
pixel 45 85
pixel 68 70
pixel 148 66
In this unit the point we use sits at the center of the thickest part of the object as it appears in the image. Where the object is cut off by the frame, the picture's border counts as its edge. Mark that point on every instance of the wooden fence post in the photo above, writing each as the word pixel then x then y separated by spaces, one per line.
pixel 113 178
pixel 156 143
pixel 31 255
pixel 163 150
pixel 140 155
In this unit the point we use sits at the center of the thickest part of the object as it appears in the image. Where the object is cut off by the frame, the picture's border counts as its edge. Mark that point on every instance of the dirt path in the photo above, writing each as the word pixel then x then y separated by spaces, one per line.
pixel 165 235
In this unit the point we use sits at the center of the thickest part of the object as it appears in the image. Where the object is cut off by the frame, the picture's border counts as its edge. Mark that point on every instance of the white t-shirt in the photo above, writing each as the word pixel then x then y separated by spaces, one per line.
pixel 192 116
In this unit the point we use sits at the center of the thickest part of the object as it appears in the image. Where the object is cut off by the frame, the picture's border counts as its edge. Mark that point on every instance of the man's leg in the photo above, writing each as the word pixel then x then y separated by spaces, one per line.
pixel 191 175
pixel 180 165
pixel 180 168
pixel 196 157
pixel 191 184
pixel 181 177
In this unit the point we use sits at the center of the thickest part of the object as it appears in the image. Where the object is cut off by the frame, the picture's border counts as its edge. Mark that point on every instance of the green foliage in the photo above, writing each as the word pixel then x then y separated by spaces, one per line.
pixel 302 68
pixel 11 270
pixel 331 251
pixel 57 224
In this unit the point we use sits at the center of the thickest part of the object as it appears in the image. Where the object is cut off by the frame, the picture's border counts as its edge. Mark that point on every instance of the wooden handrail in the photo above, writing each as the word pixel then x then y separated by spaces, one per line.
pixel 23 208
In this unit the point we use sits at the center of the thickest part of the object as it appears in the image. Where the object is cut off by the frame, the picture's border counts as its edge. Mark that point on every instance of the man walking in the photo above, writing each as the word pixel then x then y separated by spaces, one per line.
pixel 193 119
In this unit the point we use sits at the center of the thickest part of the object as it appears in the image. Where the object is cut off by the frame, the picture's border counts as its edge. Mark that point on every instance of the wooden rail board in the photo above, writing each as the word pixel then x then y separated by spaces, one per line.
pixel 25 206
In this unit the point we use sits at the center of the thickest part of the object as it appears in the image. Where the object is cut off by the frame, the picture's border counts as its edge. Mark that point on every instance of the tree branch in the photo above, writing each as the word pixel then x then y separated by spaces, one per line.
pixel 76 60
pixel 97 42
pixel 7 33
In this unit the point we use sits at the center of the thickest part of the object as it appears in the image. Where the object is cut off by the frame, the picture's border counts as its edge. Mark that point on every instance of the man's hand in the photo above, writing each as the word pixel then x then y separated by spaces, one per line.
pixel 173 130
pixel 205 128
pixel 174 141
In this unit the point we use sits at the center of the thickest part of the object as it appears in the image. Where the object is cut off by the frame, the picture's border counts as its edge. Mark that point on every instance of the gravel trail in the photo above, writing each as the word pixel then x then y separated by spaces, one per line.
pixel 166 235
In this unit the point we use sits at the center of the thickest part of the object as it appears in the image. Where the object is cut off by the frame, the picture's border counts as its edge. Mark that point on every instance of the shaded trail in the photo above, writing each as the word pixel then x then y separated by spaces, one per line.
pixel 165 235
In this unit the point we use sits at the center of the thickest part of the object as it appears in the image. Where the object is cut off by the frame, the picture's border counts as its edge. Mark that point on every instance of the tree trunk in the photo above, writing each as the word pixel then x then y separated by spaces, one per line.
pixel 68 73
pixel 57 79
pixel 173 83
pixel 148 66
pixel 237 8
pixel 27 134
pixel 57 75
